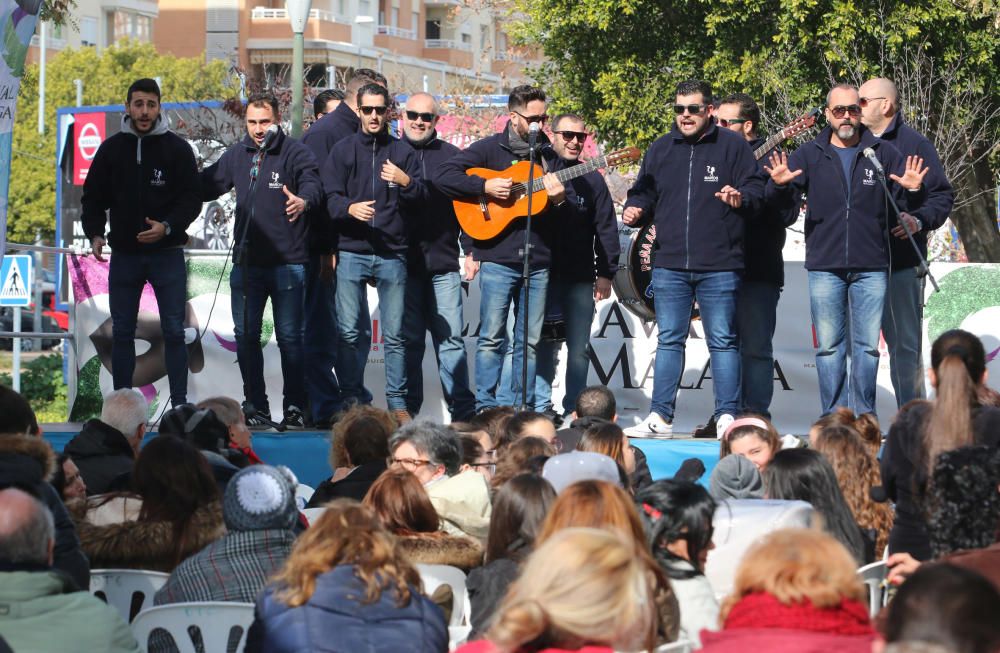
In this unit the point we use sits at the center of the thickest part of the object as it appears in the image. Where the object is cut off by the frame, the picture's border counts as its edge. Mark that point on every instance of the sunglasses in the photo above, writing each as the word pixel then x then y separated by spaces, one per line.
pixel 723 122
pixel 531 119
pixel 866 100
pixel 839 110
pixel 568 136
pixel 693 109
pixel 426 117
pixel 369 110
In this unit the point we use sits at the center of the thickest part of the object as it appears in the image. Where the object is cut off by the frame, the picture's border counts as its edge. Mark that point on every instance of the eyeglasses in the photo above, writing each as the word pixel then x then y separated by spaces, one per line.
pixel 839 110
pixel 865 100
pixel 693 109
pixel 426 117
pixel 489 467
pixel 411 464
pixel 725 122
pixel 530 119
pixel 369 110
pixel 568 136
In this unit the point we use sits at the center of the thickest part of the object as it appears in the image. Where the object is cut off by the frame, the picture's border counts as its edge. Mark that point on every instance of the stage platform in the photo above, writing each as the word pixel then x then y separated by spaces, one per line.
pixel 307 453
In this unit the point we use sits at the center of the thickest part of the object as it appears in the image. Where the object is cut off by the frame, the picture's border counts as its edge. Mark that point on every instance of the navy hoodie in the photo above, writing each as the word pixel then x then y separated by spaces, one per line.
pixel 765 236
pixel 352 173
pixel 677 184
pixel 320 138
pixel 494 153
pixel 153 176
pixel 938 195
pixel 588 243
pixel 271 238
pixel 433 227
pixel 846 226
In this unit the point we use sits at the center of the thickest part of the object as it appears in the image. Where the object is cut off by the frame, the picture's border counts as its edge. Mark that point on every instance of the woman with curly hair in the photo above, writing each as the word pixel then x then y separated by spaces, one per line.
pixel 346 587
pixel 359 447
pixel 857 473
pixel 865 424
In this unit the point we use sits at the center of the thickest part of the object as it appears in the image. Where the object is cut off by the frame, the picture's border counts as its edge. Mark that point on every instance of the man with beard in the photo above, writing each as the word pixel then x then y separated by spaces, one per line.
pixel 847 250
pixel 433 281
pixel 372 182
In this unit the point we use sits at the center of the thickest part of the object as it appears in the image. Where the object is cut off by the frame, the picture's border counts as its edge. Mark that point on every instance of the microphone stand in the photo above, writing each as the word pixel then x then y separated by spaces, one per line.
pixel 924 269
pixel 526 269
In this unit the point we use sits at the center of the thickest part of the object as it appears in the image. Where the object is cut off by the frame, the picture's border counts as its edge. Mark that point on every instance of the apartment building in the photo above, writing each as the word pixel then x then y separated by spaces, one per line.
pixel 98 23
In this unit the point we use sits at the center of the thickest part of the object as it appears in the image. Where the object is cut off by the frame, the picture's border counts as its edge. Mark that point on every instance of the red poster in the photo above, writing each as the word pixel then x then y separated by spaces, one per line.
pixel 88 131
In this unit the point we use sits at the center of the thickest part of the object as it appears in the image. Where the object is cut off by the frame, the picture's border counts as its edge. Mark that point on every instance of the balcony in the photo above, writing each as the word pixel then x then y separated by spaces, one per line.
pixel 398 32
pixel 508 57
pixel 447 44
pixel 449 51
pixel 269 23
pixel 314 14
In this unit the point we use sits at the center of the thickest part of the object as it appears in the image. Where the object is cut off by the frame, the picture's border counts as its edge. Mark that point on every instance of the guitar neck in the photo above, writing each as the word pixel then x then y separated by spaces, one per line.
pixel 772 142
pixel 573 172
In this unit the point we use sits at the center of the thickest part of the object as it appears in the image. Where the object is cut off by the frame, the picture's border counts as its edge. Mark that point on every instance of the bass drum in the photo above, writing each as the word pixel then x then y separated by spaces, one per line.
pixel 633 283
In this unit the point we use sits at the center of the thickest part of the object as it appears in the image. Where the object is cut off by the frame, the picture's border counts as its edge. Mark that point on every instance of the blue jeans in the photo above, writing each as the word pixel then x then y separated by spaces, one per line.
pixel 902 324
pixel 320 342
pixel 500 286
pixel 389 274
pixel 577 302
pixel 716 292
pixel 434 303
pixel 286 286
pixel 165 270
pixel 756 316
pixel 837 298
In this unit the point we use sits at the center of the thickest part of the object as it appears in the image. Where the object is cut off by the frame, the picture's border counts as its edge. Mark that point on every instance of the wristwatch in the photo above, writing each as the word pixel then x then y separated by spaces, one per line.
pixel 166 227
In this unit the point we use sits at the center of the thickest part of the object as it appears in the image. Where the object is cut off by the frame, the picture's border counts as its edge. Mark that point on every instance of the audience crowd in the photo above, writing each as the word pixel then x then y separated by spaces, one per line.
pixel 567 541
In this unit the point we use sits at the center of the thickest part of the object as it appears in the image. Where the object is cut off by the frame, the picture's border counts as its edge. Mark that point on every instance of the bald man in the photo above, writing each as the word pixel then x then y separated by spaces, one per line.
pixel 903 313
pixel 433 282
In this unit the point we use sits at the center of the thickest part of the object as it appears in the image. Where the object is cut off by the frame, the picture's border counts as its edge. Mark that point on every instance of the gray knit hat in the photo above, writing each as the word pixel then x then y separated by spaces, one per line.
pixel 565 469
pixel 735 477
pixel 259 497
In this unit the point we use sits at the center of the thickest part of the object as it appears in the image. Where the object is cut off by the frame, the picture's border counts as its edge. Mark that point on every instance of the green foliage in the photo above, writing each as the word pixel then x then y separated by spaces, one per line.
pixel 106 77
pixel 42 385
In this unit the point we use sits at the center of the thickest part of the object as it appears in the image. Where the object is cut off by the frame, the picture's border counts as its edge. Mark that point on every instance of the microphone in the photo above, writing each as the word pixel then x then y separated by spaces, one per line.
pixel 269 136
pixel 532 134
pixel 870 155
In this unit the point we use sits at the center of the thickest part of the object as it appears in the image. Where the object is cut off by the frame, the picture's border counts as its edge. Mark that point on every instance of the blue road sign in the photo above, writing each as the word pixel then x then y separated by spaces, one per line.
pixel 15 280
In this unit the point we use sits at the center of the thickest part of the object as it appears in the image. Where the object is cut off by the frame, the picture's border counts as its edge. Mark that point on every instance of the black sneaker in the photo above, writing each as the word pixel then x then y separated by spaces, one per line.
pixel 706 430
pixel 254 418
pixel 555 416
pixel 294 419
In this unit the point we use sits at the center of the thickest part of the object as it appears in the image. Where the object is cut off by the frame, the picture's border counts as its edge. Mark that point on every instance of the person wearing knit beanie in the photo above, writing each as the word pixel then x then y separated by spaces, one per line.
pixel 259 497
pixel 735 477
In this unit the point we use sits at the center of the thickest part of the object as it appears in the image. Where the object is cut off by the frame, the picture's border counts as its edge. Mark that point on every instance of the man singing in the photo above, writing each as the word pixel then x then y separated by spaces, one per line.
pixel 372 181
pixel 847 230
pixel 700 182
pixel 276 181
pixel 433 281
pixel 499 260
pixel 145 176
pixel 902 318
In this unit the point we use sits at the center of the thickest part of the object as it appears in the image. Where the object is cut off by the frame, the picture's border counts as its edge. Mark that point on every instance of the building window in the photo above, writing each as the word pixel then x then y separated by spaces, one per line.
pixel 395 17
pixel 467 39
pixel 88 31
pixel 415 23
pixel 127 24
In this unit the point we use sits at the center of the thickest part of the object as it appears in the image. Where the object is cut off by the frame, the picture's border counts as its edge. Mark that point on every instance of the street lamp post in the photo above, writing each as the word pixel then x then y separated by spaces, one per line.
pixel 298 16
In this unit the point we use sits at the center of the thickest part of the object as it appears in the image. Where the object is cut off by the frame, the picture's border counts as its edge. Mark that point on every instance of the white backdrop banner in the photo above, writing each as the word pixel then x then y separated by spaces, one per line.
pixel 623 346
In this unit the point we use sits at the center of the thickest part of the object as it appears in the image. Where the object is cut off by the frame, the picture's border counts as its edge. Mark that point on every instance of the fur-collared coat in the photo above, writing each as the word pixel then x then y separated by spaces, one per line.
pixel 28 462
pixel 146 544
pixel 441 549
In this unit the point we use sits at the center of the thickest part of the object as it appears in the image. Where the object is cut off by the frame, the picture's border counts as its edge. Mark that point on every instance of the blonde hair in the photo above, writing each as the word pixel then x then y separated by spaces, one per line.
pixel 795 565
pixel 347 533
pixel 582 586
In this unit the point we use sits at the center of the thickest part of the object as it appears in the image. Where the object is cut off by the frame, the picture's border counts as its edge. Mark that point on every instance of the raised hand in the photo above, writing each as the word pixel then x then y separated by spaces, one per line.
pixel 914 173
pixel 780 174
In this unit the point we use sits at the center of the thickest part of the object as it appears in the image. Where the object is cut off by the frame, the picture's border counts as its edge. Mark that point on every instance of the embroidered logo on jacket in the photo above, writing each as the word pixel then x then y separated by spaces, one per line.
pixel 275 181
pixel 710 175
pixel 157 179
pixel 869 179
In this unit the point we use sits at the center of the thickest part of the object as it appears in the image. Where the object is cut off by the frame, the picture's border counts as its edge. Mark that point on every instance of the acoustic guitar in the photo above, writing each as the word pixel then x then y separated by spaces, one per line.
pixel 794 128
pixel 485 217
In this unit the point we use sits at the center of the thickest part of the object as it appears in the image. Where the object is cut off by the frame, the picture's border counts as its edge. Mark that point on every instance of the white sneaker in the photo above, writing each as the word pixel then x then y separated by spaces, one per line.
pixel 653 426
pixel 722 424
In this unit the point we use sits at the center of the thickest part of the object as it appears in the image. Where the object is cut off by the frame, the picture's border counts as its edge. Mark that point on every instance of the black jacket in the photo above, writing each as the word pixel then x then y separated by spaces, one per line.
pixel 939 196
pixel 320 138
pixel 846 225
pixel 765 236
pixel 154 176
pixel 102 453
pixel 494 153
pixel 677 183
pixel 271 238
pixel 353 486
pixel 351 174
pixel 588 244
pixel 433 227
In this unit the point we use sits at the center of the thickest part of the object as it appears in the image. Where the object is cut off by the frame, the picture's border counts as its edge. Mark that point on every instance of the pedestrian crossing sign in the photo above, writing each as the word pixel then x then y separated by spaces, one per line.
pixel 15 280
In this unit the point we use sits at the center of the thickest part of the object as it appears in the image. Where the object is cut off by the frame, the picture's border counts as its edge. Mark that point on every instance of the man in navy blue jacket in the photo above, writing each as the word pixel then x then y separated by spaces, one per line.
pixel 274 186
pixel 433 281
pixel 584 260
pixel 499 261
pixel 700 182
pixel 146 177
pixel 764 275
pixel 371 182
pixel 902 318
pixel 321 347
pixel 847 231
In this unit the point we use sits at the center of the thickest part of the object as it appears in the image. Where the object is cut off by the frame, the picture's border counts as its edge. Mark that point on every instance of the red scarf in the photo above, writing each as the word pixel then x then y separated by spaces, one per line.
pixel 761 610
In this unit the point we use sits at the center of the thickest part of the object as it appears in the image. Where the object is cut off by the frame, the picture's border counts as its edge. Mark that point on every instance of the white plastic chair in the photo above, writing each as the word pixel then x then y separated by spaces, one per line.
pixel 213 620
pixel 312 514
pixel 302 495
pixel 126 590
pixel 683 646
pixel 873 576
pixel 433 576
